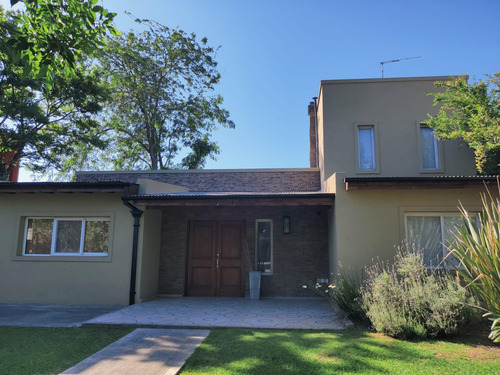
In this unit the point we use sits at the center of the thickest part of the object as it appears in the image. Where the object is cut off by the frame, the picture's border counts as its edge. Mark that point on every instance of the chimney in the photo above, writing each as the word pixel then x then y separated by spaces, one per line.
pixel 313 141
pixel 14 174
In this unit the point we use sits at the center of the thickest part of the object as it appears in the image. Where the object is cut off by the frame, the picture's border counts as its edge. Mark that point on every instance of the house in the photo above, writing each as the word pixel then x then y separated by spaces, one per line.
pixel 377 177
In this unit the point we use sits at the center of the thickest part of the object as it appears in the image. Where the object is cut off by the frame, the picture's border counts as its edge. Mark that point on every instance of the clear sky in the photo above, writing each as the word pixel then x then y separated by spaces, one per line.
pixel 274 54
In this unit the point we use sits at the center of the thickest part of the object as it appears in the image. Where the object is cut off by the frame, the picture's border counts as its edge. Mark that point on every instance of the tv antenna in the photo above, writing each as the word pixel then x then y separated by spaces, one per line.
pixel 393 61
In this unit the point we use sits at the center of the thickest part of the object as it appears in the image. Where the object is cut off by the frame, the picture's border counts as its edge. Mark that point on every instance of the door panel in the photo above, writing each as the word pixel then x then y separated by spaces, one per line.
pixel 201 271
pixel 231 267
pixel 215 260
pixel 230 240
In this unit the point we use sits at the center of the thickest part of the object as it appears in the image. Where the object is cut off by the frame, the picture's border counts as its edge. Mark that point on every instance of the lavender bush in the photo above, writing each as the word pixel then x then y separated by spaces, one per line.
pixel 405 300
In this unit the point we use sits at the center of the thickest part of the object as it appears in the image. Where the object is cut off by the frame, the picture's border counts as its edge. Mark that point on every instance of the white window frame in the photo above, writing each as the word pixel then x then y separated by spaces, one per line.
pixel 444 244
pixel 438 152
pixel 55 221
pixel 375 154
pixel 271 252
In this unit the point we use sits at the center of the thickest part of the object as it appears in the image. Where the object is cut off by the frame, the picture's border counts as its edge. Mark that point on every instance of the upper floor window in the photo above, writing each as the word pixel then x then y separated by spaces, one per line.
pixel 66 236
pixel 429 143
pixel 366 148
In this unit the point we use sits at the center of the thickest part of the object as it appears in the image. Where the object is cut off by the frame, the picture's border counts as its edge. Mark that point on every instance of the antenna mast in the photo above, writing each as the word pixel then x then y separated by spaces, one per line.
pixel 393 61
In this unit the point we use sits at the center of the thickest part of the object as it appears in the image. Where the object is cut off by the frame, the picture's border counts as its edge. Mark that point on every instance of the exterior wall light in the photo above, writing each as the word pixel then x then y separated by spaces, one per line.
pixel 286 224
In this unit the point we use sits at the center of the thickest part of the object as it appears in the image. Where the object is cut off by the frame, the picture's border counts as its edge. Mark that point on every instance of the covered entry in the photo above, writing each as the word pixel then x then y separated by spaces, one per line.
pixel 204 237
pixel 215 258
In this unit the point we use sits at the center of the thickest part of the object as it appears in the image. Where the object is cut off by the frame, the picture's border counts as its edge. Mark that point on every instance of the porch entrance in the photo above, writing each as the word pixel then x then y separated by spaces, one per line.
pixel 215 259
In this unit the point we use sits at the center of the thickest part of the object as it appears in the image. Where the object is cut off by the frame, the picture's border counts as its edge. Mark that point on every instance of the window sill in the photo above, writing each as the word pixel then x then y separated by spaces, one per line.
pixel 428 171
pixel 375 171
pixel 55 258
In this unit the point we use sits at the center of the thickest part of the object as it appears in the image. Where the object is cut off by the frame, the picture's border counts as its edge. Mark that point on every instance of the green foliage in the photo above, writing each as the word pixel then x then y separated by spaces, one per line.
pixel 471 112
pixel 406 300
pixel 54 34
pixel 477 248
pixel 345 292
pixel 162 82
pixel 44 124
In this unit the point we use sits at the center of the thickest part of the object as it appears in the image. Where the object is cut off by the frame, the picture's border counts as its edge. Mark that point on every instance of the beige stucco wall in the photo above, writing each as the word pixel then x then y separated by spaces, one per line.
pixel 395 107
pixel 65 280
pixel 149 255
pixel 320 130
pixel 369 223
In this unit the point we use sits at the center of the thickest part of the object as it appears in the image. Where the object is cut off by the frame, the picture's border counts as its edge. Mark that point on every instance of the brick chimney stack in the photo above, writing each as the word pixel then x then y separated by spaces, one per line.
pixel 313 141
pixel 7 159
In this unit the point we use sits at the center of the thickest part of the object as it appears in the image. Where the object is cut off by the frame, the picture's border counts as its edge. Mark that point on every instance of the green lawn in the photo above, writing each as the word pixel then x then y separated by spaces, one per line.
pixel 244 351
pixel 356 351
pixel 34 350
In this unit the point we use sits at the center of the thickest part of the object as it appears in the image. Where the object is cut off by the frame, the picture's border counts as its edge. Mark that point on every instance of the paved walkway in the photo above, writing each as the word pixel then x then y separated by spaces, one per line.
pixel 143 351
pixel 287 313
pixel 31 315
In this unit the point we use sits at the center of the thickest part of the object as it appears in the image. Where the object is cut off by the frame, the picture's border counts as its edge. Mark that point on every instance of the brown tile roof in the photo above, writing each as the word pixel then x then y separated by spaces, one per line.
pixel 235 180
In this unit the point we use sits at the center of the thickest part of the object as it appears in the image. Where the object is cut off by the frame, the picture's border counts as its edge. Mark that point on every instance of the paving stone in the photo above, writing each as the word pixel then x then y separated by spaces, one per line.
pixel 43 315
pixel 293 313
pixel 143 351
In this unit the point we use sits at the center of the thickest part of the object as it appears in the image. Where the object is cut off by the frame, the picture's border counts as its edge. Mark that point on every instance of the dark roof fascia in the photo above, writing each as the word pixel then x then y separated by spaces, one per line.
pixel 353 183
pixel 69 187
pixel 267 199
pixel 228 196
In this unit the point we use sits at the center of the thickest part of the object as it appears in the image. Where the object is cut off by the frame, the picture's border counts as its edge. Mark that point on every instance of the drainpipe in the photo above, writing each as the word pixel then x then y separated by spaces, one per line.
pixel 136 213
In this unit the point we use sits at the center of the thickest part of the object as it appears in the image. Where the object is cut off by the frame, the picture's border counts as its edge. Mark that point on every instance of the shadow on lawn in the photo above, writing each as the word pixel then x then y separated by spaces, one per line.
pixel 297 352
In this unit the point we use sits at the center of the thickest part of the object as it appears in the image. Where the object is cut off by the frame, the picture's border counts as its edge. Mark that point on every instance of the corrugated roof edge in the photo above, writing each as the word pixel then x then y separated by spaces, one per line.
pixel 69 187
pixel 422 179
pixel 230 195
pixel 66 183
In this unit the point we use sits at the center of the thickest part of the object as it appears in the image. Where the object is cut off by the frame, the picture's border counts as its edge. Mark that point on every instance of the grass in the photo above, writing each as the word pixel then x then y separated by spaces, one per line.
pixel 354 351
pixel 245 351
pixel 35 350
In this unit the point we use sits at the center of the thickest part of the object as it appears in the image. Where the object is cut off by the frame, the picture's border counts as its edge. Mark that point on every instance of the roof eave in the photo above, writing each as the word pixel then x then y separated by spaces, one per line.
pixel 431 182
pixel 68 187
pixel 321 199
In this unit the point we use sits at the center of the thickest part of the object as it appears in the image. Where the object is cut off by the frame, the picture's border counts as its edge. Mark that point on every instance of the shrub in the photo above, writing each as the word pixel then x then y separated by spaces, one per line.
pixel 345 292
pixel 406 300
pixel 477 248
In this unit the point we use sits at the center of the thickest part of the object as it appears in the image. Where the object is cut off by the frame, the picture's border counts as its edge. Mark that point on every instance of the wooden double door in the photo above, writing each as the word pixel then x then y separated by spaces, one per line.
pixel 216 258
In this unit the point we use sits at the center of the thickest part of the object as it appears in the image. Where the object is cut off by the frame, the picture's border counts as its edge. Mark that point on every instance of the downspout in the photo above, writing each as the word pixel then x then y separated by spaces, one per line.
pixel 136 213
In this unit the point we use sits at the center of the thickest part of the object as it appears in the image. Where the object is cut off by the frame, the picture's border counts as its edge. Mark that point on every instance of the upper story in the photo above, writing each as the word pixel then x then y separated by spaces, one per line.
pixel 374 127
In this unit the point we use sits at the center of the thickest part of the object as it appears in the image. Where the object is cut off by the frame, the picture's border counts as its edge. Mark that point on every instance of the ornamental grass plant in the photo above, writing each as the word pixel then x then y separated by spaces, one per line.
pixel 345 292
pixel 477 248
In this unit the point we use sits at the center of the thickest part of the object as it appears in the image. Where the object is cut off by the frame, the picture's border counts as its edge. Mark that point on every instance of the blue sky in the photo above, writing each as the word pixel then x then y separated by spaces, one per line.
pixel 274 54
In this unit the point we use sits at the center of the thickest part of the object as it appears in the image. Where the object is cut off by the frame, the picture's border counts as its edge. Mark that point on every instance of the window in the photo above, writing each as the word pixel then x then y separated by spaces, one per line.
pixel 366 148
pixel 264 246
pixel 66 236
pixel 429 143
pixel 432 233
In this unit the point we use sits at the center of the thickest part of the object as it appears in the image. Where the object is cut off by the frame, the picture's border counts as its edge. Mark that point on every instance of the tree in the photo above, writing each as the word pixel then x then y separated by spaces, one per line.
pixel 43 126
pixel 162 83
pixel 54 34
pixel 471 112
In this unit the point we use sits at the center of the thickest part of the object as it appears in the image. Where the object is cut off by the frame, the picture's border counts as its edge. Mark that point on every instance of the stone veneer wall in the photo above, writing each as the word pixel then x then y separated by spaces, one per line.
pixel 222 181
pixel 299 257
